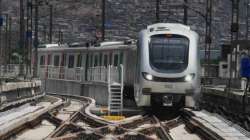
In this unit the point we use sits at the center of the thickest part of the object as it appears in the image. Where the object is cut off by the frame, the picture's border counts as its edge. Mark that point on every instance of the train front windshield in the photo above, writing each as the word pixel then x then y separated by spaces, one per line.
pixel 169 53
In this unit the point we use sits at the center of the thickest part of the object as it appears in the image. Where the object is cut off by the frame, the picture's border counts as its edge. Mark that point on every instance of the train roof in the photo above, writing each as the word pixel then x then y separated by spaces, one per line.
pixel 112 45
pixel 167 26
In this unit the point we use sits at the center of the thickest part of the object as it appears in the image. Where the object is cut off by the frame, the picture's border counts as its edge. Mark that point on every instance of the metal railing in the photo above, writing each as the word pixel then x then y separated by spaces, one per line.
pixel 102 74
pixel 10 70
pixel 94 74
pixel 61 73
pixel 97 74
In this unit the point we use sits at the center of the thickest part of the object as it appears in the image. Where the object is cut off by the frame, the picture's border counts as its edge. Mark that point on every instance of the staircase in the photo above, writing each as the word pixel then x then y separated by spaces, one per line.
pixel 115 98
pixel 115 89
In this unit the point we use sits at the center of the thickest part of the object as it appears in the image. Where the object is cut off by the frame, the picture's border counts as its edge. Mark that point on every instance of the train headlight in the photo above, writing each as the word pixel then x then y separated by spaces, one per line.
pixel 148 76
pixel 189 77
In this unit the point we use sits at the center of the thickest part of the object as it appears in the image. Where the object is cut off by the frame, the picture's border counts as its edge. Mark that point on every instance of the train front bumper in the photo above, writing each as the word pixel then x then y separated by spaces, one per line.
pixel 152 87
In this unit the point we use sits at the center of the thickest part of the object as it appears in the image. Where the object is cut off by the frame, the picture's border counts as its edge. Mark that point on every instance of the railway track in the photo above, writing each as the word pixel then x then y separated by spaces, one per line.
pixel 81 124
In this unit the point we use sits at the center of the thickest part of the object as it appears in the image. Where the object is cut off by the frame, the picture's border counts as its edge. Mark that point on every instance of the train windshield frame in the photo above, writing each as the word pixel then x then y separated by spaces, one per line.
pixel 169 53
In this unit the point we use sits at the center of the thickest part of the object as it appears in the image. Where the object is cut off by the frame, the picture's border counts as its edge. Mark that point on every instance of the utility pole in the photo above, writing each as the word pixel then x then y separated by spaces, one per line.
pixel 36 43
pixel 1 24
pixel 29 35
pixel 234 37
pixel 10 40
pixel 21 39
pixel 50 23
pixel 157 11
pixel 247 19
pixel 60 36
pixel 6 49
pixel 185 18
pixel 44 34
pixel 208 38
pixel 103 19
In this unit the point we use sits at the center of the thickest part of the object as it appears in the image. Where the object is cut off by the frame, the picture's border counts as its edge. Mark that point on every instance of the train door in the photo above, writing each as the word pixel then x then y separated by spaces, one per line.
pixel 105 59
pixel 115 60
pixel 71 61
pixel 41 66
pixel 48 63
pixel 84 58
pixel 70 72
pixel 56 63
pixel 48 60
pixel 56 60
pixel 96 60
pixel 83 65
pixel 62 65
pixel 115 63
pixel 79 60
pixel 89 67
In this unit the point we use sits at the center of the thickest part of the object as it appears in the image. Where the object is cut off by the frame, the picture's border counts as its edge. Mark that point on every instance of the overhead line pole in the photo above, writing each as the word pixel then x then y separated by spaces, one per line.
pixel 234 36
pixel 36 43
pixel 50 23
pixel 6 49
pixel 157 11
pixel 247 19
pixel 208 38
pixel 21 39
pixel 1 24
pixel 29 35
pixel 10 40
pixel 103 19
pixel 185 18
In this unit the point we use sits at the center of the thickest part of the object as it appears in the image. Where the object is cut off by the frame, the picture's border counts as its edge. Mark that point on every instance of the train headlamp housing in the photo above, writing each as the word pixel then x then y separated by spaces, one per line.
pixel 148 76
pixel 189 77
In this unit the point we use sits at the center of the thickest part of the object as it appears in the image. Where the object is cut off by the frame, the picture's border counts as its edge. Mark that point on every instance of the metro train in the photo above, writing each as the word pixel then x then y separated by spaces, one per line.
pixel 168 66
pixel 160 69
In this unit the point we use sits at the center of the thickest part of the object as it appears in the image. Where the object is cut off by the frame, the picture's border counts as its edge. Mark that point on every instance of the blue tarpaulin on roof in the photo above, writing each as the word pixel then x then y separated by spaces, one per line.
pixel 245 67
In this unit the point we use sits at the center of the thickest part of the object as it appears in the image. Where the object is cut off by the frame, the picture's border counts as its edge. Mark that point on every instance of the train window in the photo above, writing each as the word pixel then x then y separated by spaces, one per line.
pixel 105 61
pixel 100 60
pixel 224 66
pixel 42 60
pixel 116 59
pixel 71 61
pixel 96 61
pixel 169 54
pixel 79 60
pixel 110 58
pixel 56 60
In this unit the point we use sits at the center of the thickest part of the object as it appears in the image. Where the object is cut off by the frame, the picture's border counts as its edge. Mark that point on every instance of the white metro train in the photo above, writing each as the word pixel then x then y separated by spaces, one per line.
pixel 161 69
pixel 168 66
